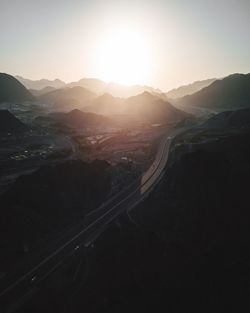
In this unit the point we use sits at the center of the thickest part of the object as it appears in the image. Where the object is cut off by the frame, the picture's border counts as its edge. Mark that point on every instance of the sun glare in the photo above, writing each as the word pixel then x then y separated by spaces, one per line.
pixel 123 56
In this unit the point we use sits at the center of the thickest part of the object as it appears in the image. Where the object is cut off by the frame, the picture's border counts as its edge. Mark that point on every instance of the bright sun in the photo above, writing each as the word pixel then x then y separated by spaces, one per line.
pixel 123 55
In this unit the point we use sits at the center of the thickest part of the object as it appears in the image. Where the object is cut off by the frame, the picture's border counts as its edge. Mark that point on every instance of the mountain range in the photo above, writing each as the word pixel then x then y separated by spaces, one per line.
pixel 144 106
pixel 229 93
pixel 95 85
pixel 38 87
pixel 41 83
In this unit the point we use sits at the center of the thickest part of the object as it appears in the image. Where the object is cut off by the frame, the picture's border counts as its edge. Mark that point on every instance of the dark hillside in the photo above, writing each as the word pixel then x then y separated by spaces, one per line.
pixel 12 90
pixel 10 124
pixel 230 93
pixel 49 199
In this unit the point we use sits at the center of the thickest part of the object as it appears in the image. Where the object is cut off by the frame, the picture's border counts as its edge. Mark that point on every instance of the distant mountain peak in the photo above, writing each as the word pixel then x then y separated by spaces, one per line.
pixel 146 94
pixel 107 96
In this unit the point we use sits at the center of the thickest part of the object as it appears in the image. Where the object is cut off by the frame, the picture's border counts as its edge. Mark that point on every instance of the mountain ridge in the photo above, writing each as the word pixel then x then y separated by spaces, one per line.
pixel 41 83
pixel 189 88
pixel 231 92
pixel 67 98
pixel 93 84
pixel 145 106
pixel 12 90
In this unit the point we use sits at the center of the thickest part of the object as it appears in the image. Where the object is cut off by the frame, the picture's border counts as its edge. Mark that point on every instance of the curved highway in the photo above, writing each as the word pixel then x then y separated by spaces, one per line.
pixel 16 287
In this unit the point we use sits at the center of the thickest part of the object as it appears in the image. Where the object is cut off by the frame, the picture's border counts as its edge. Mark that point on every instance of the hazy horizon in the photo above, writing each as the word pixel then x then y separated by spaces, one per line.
pixel 163 44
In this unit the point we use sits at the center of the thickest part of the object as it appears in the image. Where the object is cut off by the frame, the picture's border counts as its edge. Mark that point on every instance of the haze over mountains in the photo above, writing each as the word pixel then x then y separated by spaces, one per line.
pixel 153 109
pixel 79 119
pixel 67 97
pixel 105 104
pixel 39 87
pixel 95 85
pixel 229 93
pixel 40 92
pixel 144 106
pixel 41 83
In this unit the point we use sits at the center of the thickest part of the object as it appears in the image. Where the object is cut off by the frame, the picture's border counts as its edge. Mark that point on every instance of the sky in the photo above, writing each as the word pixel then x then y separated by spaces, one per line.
pixel 161 43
